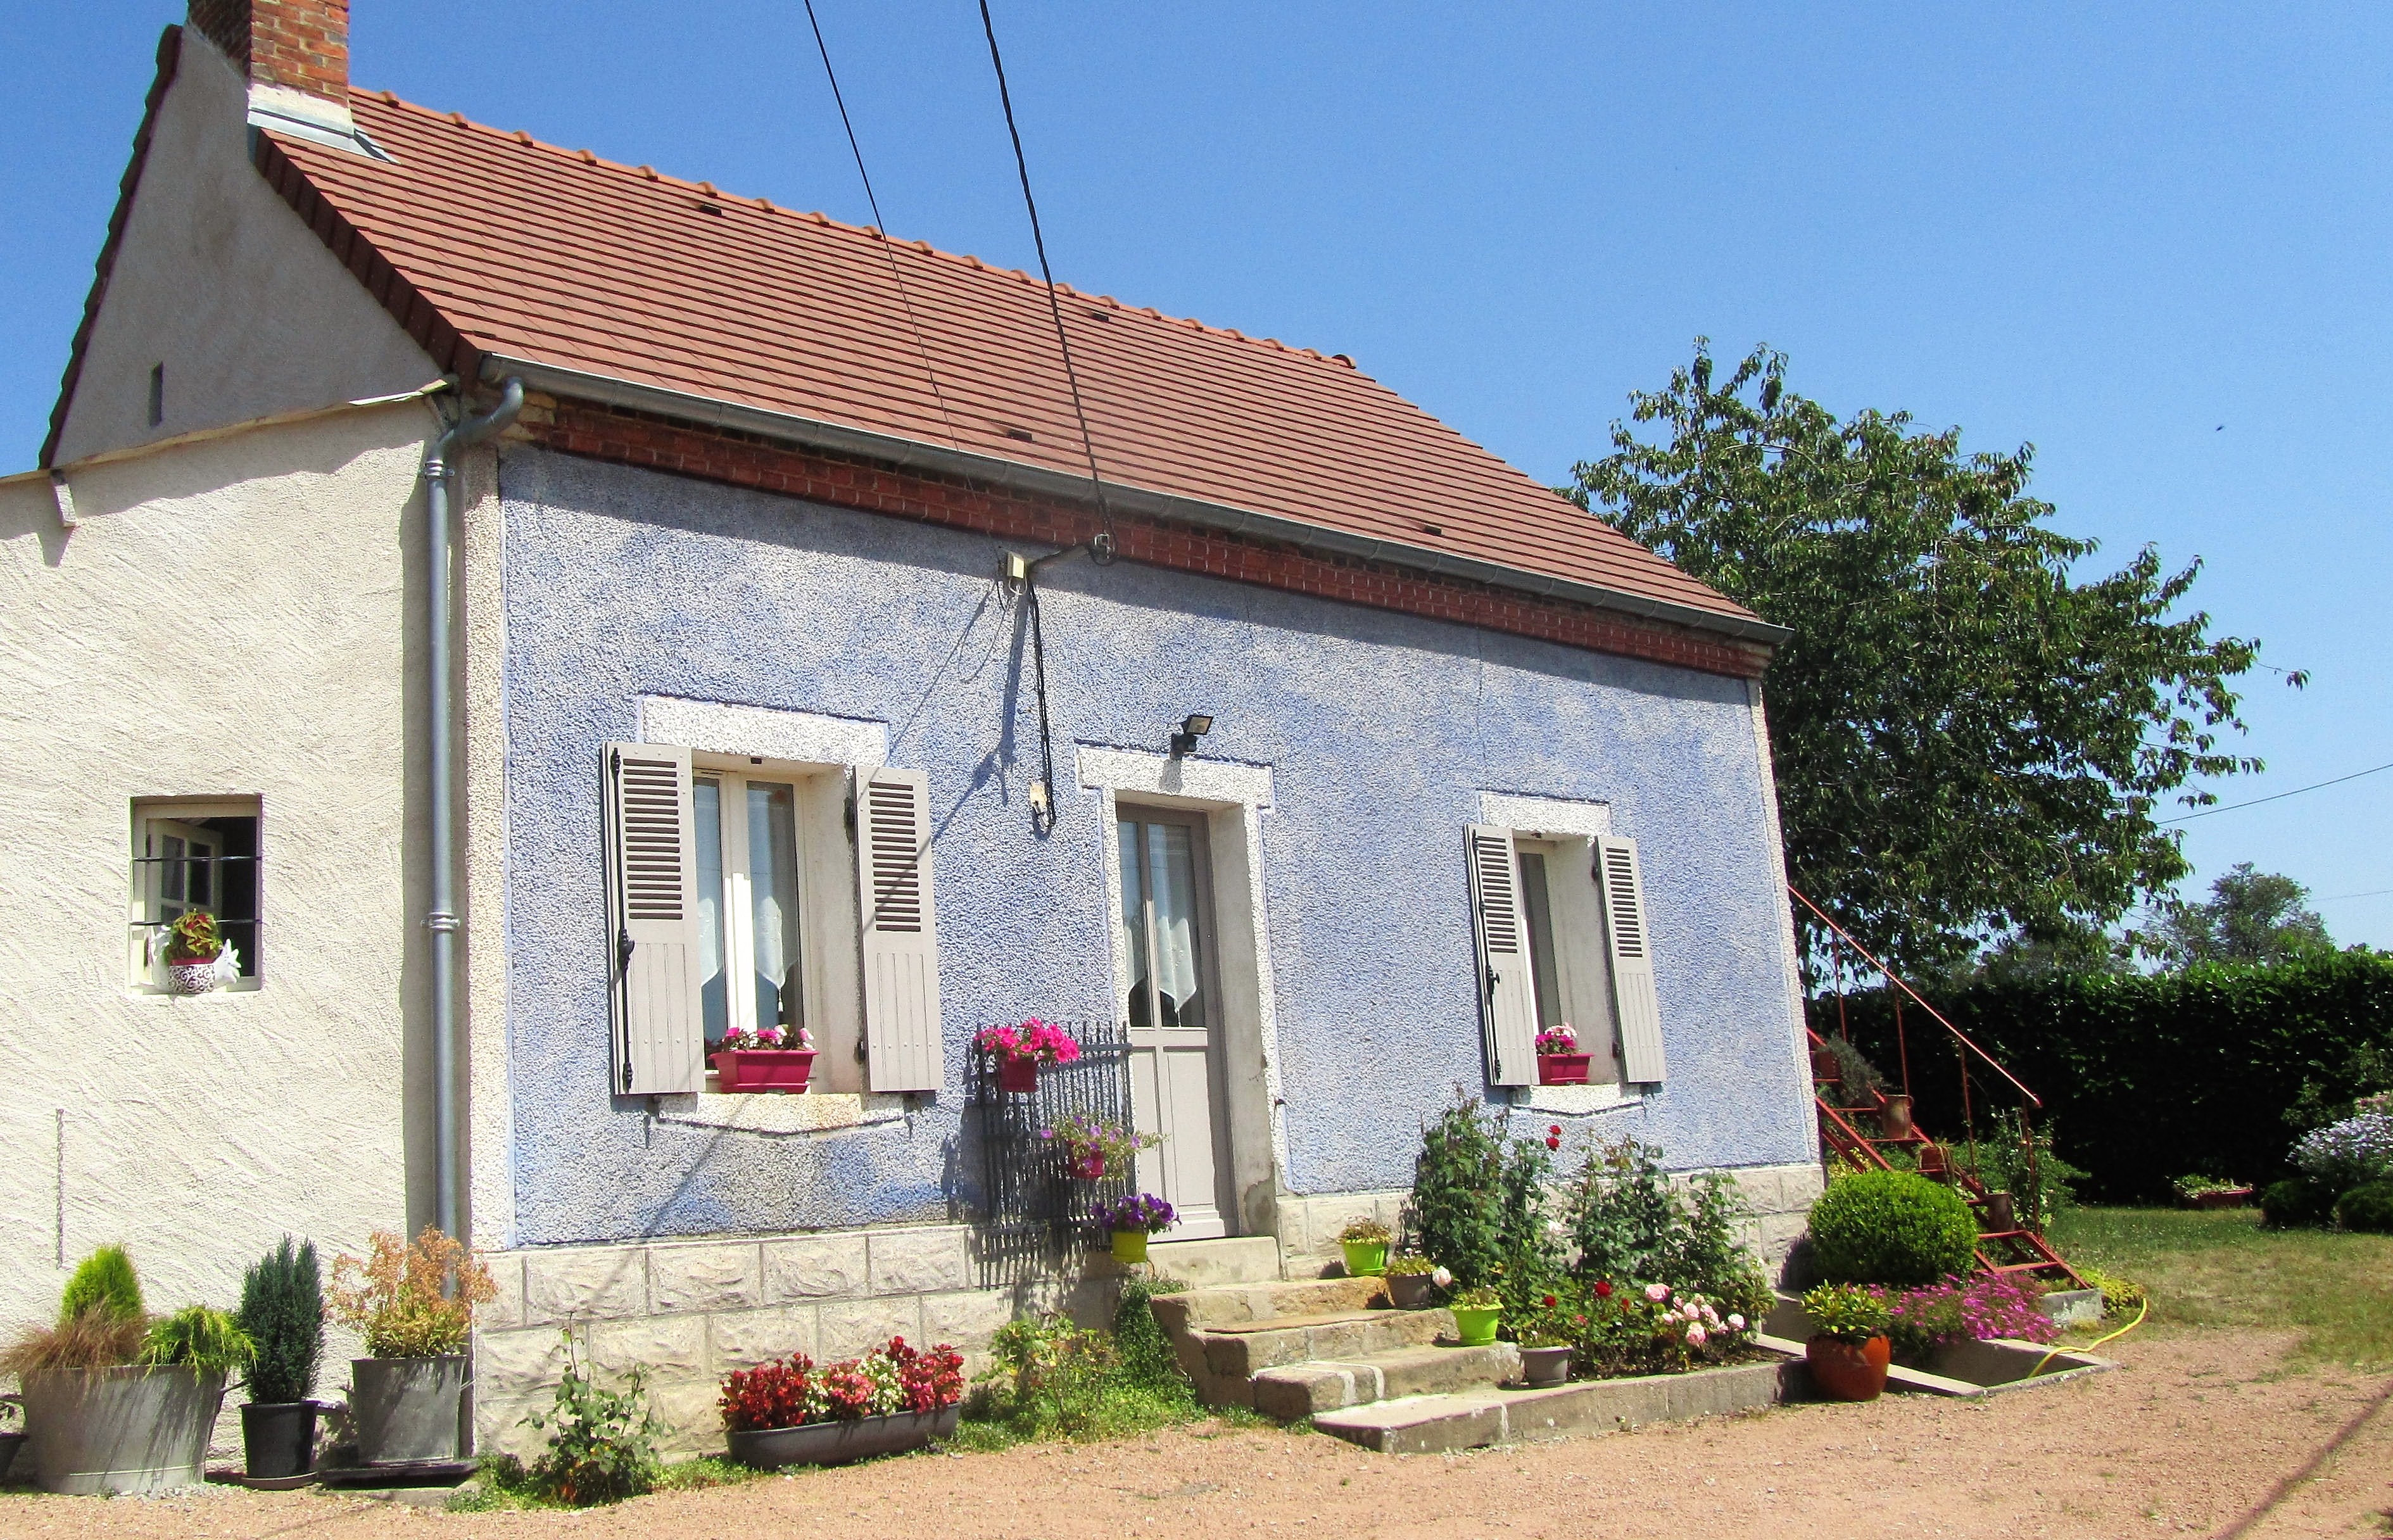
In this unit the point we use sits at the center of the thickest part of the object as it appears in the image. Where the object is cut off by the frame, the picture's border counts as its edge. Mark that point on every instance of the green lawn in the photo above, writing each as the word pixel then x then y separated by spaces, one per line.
pixel 2220 1269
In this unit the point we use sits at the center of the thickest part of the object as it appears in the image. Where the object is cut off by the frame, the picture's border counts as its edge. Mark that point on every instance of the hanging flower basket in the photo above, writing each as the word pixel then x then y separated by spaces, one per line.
pixel 1020 1051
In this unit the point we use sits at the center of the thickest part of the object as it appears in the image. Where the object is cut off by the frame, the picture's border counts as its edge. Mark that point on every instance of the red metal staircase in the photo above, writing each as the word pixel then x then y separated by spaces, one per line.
pixel 2007 1242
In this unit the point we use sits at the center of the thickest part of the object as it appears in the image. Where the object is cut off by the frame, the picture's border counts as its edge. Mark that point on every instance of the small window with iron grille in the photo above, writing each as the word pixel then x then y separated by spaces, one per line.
pixel 195 877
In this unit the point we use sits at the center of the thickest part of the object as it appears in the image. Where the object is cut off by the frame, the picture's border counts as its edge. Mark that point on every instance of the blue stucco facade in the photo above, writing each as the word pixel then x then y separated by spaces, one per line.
pixel 1380 729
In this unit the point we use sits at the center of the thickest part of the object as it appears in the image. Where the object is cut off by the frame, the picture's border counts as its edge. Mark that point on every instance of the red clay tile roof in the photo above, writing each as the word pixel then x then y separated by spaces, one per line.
pixel 558 258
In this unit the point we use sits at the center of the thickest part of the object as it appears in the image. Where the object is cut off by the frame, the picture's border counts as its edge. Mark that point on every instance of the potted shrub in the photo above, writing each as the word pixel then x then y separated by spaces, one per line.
pixel 764 1058
pixel 1020 1051
pixel 1933 1160
pixel 1132 1221
pixel 283 1311
pixel 1477 1313
pixel 1411 1279
pixel 1559 1061
pixel 893 1398
pixel 193 944
pixel 415 1306
pixel 114 1402
pixel 1364 1242
pixel 1894 1117
pixel 1093 1147
pixel 1848 1350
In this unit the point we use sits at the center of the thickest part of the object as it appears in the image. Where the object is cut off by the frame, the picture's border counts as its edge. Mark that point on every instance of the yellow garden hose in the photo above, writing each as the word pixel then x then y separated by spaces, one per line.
pixel 2141 1310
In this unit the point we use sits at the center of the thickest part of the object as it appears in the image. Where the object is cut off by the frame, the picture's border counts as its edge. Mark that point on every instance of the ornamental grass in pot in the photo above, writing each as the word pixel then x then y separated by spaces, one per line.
pixel 1364 1243
pixel 114 1401
pixel 415 1307
pixel 283 1311
pixel 1848 1350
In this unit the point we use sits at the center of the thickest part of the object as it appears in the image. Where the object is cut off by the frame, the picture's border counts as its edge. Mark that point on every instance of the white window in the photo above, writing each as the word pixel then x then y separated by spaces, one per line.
pixel 747 892
pixel 193 854
pixel 1561 934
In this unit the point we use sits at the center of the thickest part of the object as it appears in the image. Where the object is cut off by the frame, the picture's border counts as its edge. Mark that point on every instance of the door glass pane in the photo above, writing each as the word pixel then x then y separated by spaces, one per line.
pixel 773 897
pixel 1537 905
pixel 1171 884
pixel 1131 936
pixel 714 1000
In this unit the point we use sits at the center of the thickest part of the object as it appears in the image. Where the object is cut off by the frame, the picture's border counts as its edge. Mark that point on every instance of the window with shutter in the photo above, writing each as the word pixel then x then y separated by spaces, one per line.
pixel 1506 976
pixel 900 930
pixel 1637 1009
pixel 653 923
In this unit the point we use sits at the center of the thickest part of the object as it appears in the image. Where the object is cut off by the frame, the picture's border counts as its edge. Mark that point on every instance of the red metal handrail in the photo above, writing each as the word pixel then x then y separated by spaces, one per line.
pixel 1960 1036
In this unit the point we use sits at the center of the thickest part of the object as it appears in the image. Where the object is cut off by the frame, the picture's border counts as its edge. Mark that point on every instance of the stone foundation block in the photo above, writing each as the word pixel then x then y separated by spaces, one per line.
pixel 662 1346
pixel 965 1321
pixel 918 1261
pixel 850 1328
pixel 519 1363
pixel 607 1283
pixel 814 1267
pixel 704 1278
pixel 742 1339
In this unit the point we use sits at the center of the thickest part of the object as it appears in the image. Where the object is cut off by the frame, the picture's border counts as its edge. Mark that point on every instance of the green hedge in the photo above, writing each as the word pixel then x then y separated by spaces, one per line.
pixel 2146 1078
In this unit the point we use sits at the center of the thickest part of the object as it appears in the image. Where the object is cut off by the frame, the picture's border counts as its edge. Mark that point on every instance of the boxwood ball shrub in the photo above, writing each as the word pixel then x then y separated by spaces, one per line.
pixel 1891 1227
pixel 2368 1209
pixel 2296 1203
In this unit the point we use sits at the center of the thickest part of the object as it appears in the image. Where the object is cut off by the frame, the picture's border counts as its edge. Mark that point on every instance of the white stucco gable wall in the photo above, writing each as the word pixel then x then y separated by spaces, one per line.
pixel 237 616
pixel 217 279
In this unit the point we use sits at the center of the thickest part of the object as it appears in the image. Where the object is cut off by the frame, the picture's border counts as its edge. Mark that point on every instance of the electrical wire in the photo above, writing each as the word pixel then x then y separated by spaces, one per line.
pixel 1102 545
pixel 2280 796
pixel 1044 815
pixel 880 229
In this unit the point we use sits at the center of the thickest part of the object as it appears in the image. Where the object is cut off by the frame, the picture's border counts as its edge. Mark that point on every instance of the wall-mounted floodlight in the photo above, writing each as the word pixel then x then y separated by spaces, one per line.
pixel 1196 725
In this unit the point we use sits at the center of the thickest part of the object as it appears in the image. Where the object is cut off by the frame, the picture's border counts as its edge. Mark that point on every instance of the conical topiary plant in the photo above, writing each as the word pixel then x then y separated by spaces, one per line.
pixel 104 1279
pixel 283 1311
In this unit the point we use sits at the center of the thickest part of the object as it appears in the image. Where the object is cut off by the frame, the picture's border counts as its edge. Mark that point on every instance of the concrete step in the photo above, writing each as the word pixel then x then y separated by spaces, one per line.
pixel 1295 1391
pixel 1231 1303
pixel 1242 1349
pixel 1210 1264
pixel 1431 1424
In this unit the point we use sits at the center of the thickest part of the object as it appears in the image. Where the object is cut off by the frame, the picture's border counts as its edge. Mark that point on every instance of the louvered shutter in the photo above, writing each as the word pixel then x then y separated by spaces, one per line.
pixel 652 921
pixel 901 939
pixel 1507 990
pixel 1637 1009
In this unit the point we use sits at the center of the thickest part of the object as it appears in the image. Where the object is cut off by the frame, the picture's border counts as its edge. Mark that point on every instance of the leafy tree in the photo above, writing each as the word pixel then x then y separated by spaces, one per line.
pixel 1970 741
pixel 2250 917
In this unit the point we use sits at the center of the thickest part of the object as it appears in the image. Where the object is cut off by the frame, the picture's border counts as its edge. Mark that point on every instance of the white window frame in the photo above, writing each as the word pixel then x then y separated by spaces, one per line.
pixel 829 1000
pixel 143 900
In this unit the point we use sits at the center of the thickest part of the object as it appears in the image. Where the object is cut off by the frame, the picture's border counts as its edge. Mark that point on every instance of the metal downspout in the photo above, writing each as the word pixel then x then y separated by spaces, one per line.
pixel 441 917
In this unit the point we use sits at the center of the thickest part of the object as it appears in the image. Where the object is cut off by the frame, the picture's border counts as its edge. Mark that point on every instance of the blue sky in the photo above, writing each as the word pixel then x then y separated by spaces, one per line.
pixel 2151 240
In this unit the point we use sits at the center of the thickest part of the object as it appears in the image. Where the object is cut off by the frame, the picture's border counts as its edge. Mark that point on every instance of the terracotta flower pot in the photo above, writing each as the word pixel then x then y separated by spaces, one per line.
pixel 1563 1069
pixel 1932 1161
pixel 1894 1118
pixel 1824 1065
pixel 1016 1074
pixel 764 1068
pixel 1849 1371
pixel 2002 1212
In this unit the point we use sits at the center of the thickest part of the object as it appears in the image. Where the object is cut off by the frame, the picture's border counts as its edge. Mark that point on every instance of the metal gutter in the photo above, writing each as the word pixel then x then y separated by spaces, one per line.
pixel 913 454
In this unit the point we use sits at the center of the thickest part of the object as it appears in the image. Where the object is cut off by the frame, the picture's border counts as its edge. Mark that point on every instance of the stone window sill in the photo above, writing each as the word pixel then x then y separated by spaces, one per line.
pixel 771 1112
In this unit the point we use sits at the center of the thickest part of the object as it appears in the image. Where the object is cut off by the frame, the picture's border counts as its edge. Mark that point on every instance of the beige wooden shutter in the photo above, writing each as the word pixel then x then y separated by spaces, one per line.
pixel 901 938
pixel 1637 1009
pixel 1507 989
pixel 652 921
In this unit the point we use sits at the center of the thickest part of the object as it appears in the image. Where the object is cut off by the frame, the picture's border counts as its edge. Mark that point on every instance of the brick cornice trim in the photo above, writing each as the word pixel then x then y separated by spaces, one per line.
pixel 658 443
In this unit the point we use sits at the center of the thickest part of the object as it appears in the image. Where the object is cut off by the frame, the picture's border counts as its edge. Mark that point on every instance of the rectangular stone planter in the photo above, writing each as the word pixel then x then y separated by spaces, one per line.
pixel 838 1442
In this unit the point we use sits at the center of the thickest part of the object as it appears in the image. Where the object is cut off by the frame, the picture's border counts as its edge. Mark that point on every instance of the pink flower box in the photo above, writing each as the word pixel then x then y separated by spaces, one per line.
pixel 764 1068
pixel 1563 1069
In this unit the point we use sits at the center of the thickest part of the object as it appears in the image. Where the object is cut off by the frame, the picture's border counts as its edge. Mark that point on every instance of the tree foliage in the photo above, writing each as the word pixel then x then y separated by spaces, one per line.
pixel 1970 741
pixel 2250 917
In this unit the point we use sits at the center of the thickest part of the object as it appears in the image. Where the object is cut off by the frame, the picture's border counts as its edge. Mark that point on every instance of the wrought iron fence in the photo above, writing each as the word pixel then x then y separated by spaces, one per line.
pixel 1035 1209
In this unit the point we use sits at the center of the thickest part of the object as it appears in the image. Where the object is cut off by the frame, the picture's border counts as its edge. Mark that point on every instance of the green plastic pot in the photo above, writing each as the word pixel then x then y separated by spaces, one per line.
pixel 1476 1325
pixel 1129 1246
pixel 1365 1259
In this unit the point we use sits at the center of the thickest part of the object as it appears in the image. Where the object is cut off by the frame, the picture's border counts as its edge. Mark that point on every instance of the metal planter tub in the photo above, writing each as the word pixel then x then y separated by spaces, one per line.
pixel 128 1430
pixel 838 1442
pixel 408 1409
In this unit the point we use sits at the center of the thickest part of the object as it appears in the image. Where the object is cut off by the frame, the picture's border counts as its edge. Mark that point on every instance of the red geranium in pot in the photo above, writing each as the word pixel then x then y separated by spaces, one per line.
pixel 1019 1051
pixel 1559 1061
pixel 766 1058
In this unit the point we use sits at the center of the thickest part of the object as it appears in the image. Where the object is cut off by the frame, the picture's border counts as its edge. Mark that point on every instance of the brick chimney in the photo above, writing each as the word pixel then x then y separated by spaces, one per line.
pixel 294 52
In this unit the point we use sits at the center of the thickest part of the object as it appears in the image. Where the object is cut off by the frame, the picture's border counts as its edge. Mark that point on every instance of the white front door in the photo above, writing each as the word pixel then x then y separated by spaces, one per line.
pixel 1173 1011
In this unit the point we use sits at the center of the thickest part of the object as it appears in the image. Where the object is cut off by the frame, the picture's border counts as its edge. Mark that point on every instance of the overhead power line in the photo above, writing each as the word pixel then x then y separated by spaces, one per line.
pixel 1101 548
pixel 2315 786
